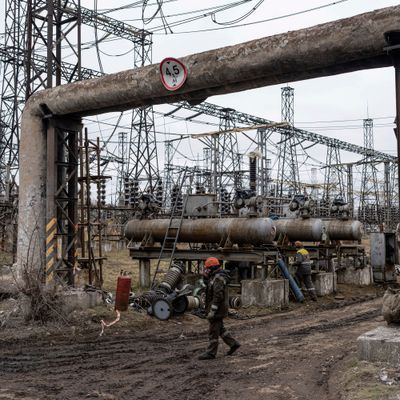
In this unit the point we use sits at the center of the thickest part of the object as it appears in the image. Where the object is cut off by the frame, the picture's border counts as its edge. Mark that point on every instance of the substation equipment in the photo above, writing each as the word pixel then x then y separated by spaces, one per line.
pixel 250 245
pixel 51 123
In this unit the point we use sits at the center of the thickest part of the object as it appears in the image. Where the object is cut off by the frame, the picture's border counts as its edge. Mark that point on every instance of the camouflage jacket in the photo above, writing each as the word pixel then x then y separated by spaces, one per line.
pixel 217 294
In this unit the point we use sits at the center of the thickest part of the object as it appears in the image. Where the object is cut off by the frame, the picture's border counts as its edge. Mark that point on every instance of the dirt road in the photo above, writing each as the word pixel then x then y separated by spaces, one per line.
pixel 292 355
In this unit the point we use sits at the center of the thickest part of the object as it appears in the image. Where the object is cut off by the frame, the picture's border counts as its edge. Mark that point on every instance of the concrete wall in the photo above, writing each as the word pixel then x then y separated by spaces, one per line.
pixel 265 293
pixel 381 344
pixel 355 276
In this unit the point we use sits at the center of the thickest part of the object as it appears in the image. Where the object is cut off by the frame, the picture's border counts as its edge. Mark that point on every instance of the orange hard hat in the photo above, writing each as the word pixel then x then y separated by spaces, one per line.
pixel 297 243
pixel 211 262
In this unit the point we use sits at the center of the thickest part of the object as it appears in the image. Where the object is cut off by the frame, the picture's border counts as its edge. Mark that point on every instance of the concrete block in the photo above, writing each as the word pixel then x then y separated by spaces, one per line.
pixel 380 344
pixel 265 293
pixel 80 300
pixel 324 283
pixel 144 274
pixel 355 276
pixel 251 292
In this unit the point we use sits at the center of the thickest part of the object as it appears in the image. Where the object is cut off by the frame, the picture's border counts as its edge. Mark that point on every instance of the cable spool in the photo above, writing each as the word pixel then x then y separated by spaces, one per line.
pixel 162 309
pixel 193 303
pixel 171 278
pixel 235 302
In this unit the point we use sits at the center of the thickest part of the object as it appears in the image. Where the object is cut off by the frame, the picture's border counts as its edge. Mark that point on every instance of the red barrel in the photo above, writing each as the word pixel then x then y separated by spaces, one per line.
pixel 122 293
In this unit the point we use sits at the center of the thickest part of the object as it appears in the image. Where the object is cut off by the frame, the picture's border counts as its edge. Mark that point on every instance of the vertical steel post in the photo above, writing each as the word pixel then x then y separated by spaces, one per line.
pixel 393 49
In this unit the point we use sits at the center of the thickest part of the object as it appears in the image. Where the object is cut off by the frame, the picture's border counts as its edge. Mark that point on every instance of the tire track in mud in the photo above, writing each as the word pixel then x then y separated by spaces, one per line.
pixel 161 364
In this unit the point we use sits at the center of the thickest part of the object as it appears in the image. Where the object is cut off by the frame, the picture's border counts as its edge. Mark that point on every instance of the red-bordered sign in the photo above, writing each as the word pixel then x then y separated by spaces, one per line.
pixel 173 73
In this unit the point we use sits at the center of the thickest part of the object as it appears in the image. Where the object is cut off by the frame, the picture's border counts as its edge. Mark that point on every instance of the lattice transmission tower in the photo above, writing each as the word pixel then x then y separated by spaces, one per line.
pixel 142 159
pixel 369 211
pixel 288 180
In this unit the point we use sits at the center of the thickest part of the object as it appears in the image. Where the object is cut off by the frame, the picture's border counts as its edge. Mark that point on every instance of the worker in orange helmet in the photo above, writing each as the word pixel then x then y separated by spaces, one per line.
pixel 216 301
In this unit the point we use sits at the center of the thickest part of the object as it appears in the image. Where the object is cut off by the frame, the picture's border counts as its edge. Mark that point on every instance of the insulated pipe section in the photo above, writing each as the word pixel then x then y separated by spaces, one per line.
pixel 313 52
pixel 255 231
pixel 309 230
pixel 343 230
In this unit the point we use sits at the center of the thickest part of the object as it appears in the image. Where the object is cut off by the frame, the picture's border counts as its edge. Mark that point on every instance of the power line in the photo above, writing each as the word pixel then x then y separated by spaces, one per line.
pixel 256 22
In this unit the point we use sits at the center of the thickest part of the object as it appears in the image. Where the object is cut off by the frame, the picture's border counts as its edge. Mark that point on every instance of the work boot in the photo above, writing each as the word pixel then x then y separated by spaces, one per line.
pixel 232 349
pixel 206 356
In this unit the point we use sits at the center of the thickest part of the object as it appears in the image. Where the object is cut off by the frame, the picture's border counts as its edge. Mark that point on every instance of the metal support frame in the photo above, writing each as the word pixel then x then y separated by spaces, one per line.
pixel 61 199
pixel 288 179
pixel 63 36
pixel 350 191
pixel 13 89
pixel 333 179
pixel 392 39
pixel 264 164
pixel 142 154
pixel 369 211
pixel 91 226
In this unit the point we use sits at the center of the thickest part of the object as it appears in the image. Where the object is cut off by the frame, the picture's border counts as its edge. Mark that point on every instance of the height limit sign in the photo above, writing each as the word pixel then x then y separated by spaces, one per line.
pixel 173 73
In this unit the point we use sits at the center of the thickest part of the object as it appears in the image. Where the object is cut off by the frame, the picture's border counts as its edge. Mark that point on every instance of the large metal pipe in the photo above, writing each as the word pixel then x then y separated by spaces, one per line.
pixel 336 47
pixel 343 230
pixel 255 231
pixel 309 230
pixel 314 230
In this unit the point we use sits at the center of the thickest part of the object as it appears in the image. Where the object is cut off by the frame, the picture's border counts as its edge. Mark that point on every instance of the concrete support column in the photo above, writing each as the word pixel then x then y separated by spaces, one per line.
pixel 144 274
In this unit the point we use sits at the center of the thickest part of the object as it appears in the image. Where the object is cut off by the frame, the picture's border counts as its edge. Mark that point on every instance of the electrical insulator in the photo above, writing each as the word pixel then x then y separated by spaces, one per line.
pixel 103 192
pixel 159 193
pixel 126 191
pixel 134 193
pixel 225 201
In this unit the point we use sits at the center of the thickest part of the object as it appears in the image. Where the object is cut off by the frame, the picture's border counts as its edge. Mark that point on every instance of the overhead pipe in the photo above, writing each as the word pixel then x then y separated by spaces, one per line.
pixel 332 48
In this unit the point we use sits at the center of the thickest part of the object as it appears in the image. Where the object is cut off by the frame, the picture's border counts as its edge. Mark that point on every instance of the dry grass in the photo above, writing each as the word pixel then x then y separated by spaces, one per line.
pixel 118 260
pixel 360 381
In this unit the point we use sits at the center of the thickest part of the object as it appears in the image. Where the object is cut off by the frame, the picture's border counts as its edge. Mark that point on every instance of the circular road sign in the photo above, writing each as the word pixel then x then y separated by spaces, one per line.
pixel 173 73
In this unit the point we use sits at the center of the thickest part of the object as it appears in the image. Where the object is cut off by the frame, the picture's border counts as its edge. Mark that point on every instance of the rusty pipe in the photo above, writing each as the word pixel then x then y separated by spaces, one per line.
pixel 343 230
pixel 314 230
pixel 309 230
pixel 254 231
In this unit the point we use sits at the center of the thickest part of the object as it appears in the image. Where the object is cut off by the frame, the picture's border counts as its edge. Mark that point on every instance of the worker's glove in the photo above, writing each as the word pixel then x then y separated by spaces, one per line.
pixel 213 310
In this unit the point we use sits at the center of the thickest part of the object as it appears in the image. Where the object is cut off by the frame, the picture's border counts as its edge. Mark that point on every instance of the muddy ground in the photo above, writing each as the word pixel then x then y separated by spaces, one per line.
pixel 305 352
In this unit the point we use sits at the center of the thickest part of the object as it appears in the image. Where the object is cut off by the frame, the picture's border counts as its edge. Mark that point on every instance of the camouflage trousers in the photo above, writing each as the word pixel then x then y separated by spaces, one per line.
pixel 216 329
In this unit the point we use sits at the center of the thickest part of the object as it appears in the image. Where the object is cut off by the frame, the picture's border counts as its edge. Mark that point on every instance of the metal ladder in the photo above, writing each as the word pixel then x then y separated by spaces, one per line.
pixel 172 233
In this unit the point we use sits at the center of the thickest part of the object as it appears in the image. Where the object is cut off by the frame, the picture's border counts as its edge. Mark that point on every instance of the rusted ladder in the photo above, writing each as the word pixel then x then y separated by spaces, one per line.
pixel 174 227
